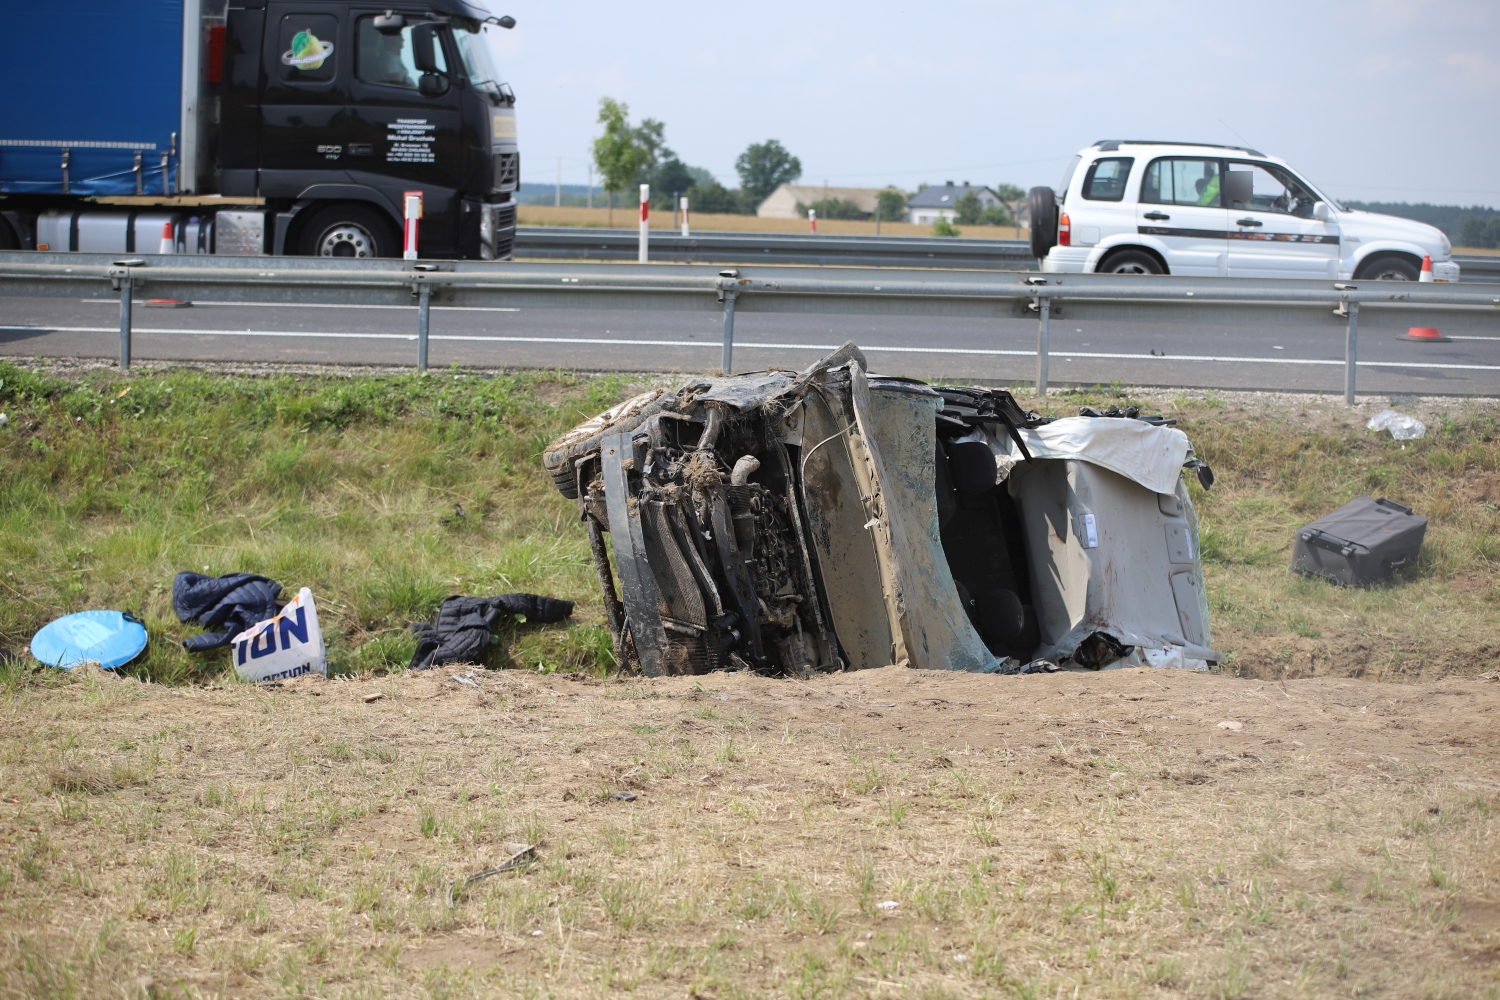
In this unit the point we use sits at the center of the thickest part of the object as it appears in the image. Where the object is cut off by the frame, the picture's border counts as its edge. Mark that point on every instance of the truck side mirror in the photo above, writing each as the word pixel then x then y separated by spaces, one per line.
pixel 432 85
pixel 1320 211
pixel 507 22
pixel 389 23
pixel 422 54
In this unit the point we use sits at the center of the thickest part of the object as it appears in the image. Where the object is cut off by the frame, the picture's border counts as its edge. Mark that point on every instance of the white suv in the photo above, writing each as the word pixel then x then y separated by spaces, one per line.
pixel 1139 207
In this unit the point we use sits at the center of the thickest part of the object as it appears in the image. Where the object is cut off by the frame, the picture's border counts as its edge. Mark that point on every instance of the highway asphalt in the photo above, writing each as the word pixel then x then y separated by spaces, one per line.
pixel 1188 354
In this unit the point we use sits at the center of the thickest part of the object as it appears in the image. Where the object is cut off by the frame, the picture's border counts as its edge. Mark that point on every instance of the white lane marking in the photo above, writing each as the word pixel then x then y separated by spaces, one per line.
pixel 764 345
pixel 315 305
pixel 1455 336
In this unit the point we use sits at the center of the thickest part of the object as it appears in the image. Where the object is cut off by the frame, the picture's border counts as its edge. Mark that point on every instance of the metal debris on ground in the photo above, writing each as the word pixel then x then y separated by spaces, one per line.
pixel 625 796
pixel 525 854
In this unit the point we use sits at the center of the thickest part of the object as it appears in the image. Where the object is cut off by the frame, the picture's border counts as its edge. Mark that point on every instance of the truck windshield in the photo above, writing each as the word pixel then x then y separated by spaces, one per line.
pixel 477 62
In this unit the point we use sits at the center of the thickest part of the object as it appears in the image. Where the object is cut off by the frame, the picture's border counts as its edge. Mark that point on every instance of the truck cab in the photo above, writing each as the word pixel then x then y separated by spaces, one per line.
pixel 300 129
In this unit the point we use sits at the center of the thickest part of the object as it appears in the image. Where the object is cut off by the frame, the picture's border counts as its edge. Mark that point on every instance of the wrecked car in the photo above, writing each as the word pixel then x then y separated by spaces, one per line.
pixel 831 519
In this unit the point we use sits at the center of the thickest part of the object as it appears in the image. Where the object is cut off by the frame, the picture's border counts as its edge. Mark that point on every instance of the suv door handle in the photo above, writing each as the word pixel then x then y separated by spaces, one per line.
pixel 1156 216
pixel 1248 222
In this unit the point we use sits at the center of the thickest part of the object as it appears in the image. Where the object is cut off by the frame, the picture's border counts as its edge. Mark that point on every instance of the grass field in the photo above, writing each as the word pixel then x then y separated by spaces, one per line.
pixel 1288 827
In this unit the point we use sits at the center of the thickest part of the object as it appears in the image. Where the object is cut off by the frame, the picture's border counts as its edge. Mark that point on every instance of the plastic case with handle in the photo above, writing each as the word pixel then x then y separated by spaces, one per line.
pixel 1362 542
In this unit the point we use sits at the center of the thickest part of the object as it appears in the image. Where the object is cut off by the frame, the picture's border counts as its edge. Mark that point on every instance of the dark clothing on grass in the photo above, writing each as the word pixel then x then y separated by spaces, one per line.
pixel 234 602
pixel 464 625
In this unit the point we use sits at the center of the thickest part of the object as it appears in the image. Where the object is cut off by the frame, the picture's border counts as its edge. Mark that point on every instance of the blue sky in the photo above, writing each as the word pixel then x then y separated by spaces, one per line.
pixel 1379 100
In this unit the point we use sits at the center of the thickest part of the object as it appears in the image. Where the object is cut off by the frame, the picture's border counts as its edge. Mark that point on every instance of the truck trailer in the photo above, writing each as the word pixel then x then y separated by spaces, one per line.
pixel 248 127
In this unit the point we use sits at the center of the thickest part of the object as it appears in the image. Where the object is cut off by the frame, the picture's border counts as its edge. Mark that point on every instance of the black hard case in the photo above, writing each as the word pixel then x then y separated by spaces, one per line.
pixel 1363 541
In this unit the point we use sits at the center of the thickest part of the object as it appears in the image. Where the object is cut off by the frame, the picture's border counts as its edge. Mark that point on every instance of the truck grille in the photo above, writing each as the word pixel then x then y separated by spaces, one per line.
pixel 507 171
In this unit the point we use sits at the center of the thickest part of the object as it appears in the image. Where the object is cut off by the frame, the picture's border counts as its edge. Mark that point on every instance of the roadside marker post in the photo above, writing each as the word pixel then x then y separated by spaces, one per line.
pixel 645 221
pixel 684 206
pixel 812 219
pixel 412 200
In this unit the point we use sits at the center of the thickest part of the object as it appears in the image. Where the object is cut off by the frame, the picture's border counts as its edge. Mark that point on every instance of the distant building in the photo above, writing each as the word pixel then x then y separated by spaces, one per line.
pixel 782 203
pixel 932 203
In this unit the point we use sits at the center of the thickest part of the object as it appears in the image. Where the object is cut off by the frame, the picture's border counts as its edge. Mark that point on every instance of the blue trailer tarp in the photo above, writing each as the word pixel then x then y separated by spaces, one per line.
pixel 99 78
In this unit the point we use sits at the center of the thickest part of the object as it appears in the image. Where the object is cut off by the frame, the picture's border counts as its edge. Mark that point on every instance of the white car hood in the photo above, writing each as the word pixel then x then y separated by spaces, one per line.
pixel 1368 226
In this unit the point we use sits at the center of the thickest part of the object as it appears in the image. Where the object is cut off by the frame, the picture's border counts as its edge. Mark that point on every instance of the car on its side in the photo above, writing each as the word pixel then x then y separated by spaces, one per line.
pixel 1129 206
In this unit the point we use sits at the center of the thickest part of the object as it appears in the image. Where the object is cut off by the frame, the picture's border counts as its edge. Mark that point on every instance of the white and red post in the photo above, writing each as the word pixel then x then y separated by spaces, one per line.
pixel 645 221
pixel 684 206
pixel 812 218
pixel 412 200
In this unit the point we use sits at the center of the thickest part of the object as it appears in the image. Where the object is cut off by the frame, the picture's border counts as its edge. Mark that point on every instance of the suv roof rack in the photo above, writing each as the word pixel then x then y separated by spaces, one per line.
pixel 1109 145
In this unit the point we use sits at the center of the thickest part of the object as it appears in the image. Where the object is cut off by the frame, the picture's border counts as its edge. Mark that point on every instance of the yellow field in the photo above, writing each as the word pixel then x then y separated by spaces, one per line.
pixel 546 215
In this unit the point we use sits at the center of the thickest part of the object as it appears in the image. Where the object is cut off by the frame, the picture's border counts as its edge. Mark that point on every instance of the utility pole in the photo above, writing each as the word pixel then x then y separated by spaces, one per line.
pixel 591 184
pixel 557 197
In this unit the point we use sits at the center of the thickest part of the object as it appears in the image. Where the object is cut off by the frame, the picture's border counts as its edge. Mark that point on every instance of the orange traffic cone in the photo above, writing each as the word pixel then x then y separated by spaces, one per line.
pixel 1425 335
pixel 168 244
pixel 1426 274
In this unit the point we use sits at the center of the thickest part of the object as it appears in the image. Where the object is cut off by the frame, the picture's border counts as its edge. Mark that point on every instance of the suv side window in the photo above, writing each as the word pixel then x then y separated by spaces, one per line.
pixel 387 59
pixel 1105 180
pixel 1275 190
pixel 1173 181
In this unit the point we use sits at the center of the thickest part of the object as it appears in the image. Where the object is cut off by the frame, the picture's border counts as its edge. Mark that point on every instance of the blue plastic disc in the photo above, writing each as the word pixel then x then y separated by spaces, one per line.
pixel 109 638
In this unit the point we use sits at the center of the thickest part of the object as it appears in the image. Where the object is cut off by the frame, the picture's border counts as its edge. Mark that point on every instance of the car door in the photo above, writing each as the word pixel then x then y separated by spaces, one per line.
pixel 1272 231
pixel 401 138
pixel 1180 206
pixel 303 119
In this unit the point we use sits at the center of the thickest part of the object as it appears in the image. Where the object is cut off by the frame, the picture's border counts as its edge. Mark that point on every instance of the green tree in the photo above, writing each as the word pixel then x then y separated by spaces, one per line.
pixel 892 205
pixel 968 209
pixel 1009 192
pixel 716 199
pixel 671 176
pixel 942 227
pixel 765 166
pixel 996 215
pixel 624 153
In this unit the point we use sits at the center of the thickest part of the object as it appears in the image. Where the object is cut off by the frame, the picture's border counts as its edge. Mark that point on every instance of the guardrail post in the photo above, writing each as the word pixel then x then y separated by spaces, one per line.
pixel 729 296
pixel 424 299
pixel 123 278
pixel 1351 349
pixel 1044 304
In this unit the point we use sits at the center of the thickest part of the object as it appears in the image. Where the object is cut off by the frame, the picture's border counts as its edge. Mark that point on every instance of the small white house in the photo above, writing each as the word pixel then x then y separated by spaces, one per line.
pixel 935 202
pixel 782 203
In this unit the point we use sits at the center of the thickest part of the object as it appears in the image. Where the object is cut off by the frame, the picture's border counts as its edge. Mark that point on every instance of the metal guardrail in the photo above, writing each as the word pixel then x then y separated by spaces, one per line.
pixel 582 243
pixel 564 243
pixel 668 286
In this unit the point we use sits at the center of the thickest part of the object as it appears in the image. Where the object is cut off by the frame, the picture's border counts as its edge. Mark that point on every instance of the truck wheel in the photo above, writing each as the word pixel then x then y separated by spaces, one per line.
pixel 1043 203
pixel 1130 262
pixel 1388 269
pixel 348 231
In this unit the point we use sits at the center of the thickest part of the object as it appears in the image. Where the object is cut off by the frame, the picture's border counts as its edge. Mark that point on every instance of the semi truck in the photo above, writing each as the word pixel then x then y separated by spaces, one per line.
pixel 248 127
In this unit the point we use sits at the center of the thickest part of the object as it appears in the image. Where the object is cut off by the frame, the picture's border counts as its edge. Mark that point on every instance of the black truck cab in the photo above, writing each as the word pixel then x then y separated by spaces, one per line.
pixel 331 110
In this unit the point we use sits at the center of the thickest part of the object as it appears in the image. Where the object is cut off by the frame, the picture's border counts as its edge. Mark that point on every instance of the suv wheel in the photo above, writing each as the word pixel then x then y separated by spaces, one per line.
pixel 1388 269
pixel 1043 226
pixel 348 231
pixel 1130 262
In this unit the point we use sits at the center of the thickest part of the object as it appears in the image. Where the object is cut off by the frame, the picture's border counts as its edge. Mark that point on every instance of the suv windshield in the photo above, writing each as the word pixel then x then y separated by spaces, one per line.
pixel 476 56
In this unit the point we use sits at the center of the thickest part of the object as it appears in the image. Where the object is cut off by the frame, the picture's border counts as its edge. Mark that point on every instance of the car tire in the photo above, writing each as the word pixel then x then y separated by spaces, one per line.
pixel 1130 262
pixel 351 231
pixel 1388 269
pixel 1043 204
pixel 560 456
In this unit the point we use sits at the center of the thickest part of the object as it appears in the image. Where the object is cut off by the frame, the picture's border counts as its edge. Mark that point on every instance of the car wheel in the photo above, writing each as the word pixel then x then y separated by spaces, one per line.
pixel 352 231
pixel 1130 262
pixel 1388 269
pixel 560 456
pixel 1043 204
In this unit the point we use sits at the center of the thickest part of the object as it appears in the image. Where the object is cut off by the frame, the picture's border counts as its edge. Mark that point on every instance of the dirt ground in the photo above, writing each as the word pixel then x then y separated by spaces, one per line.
pixel 887 833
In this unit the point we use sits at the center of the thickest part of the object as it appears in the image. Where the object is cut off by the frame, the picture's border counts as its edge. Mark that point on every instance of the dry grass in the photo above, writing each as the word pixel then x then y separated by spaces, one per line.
pixel 888 833
pixel 546 215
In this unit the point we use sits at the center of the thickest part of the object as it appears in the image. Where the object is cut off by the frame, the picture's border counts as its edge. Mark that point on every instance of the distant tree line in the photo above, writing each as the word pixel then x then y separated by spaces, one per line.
pixel 629 155
pixel 1474 226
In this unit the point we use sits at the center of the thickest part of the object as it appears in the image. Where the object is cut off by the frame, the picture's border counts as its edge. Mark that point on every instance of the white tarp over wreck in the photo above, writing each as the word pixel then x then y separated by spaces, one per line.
pixel 1145 453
